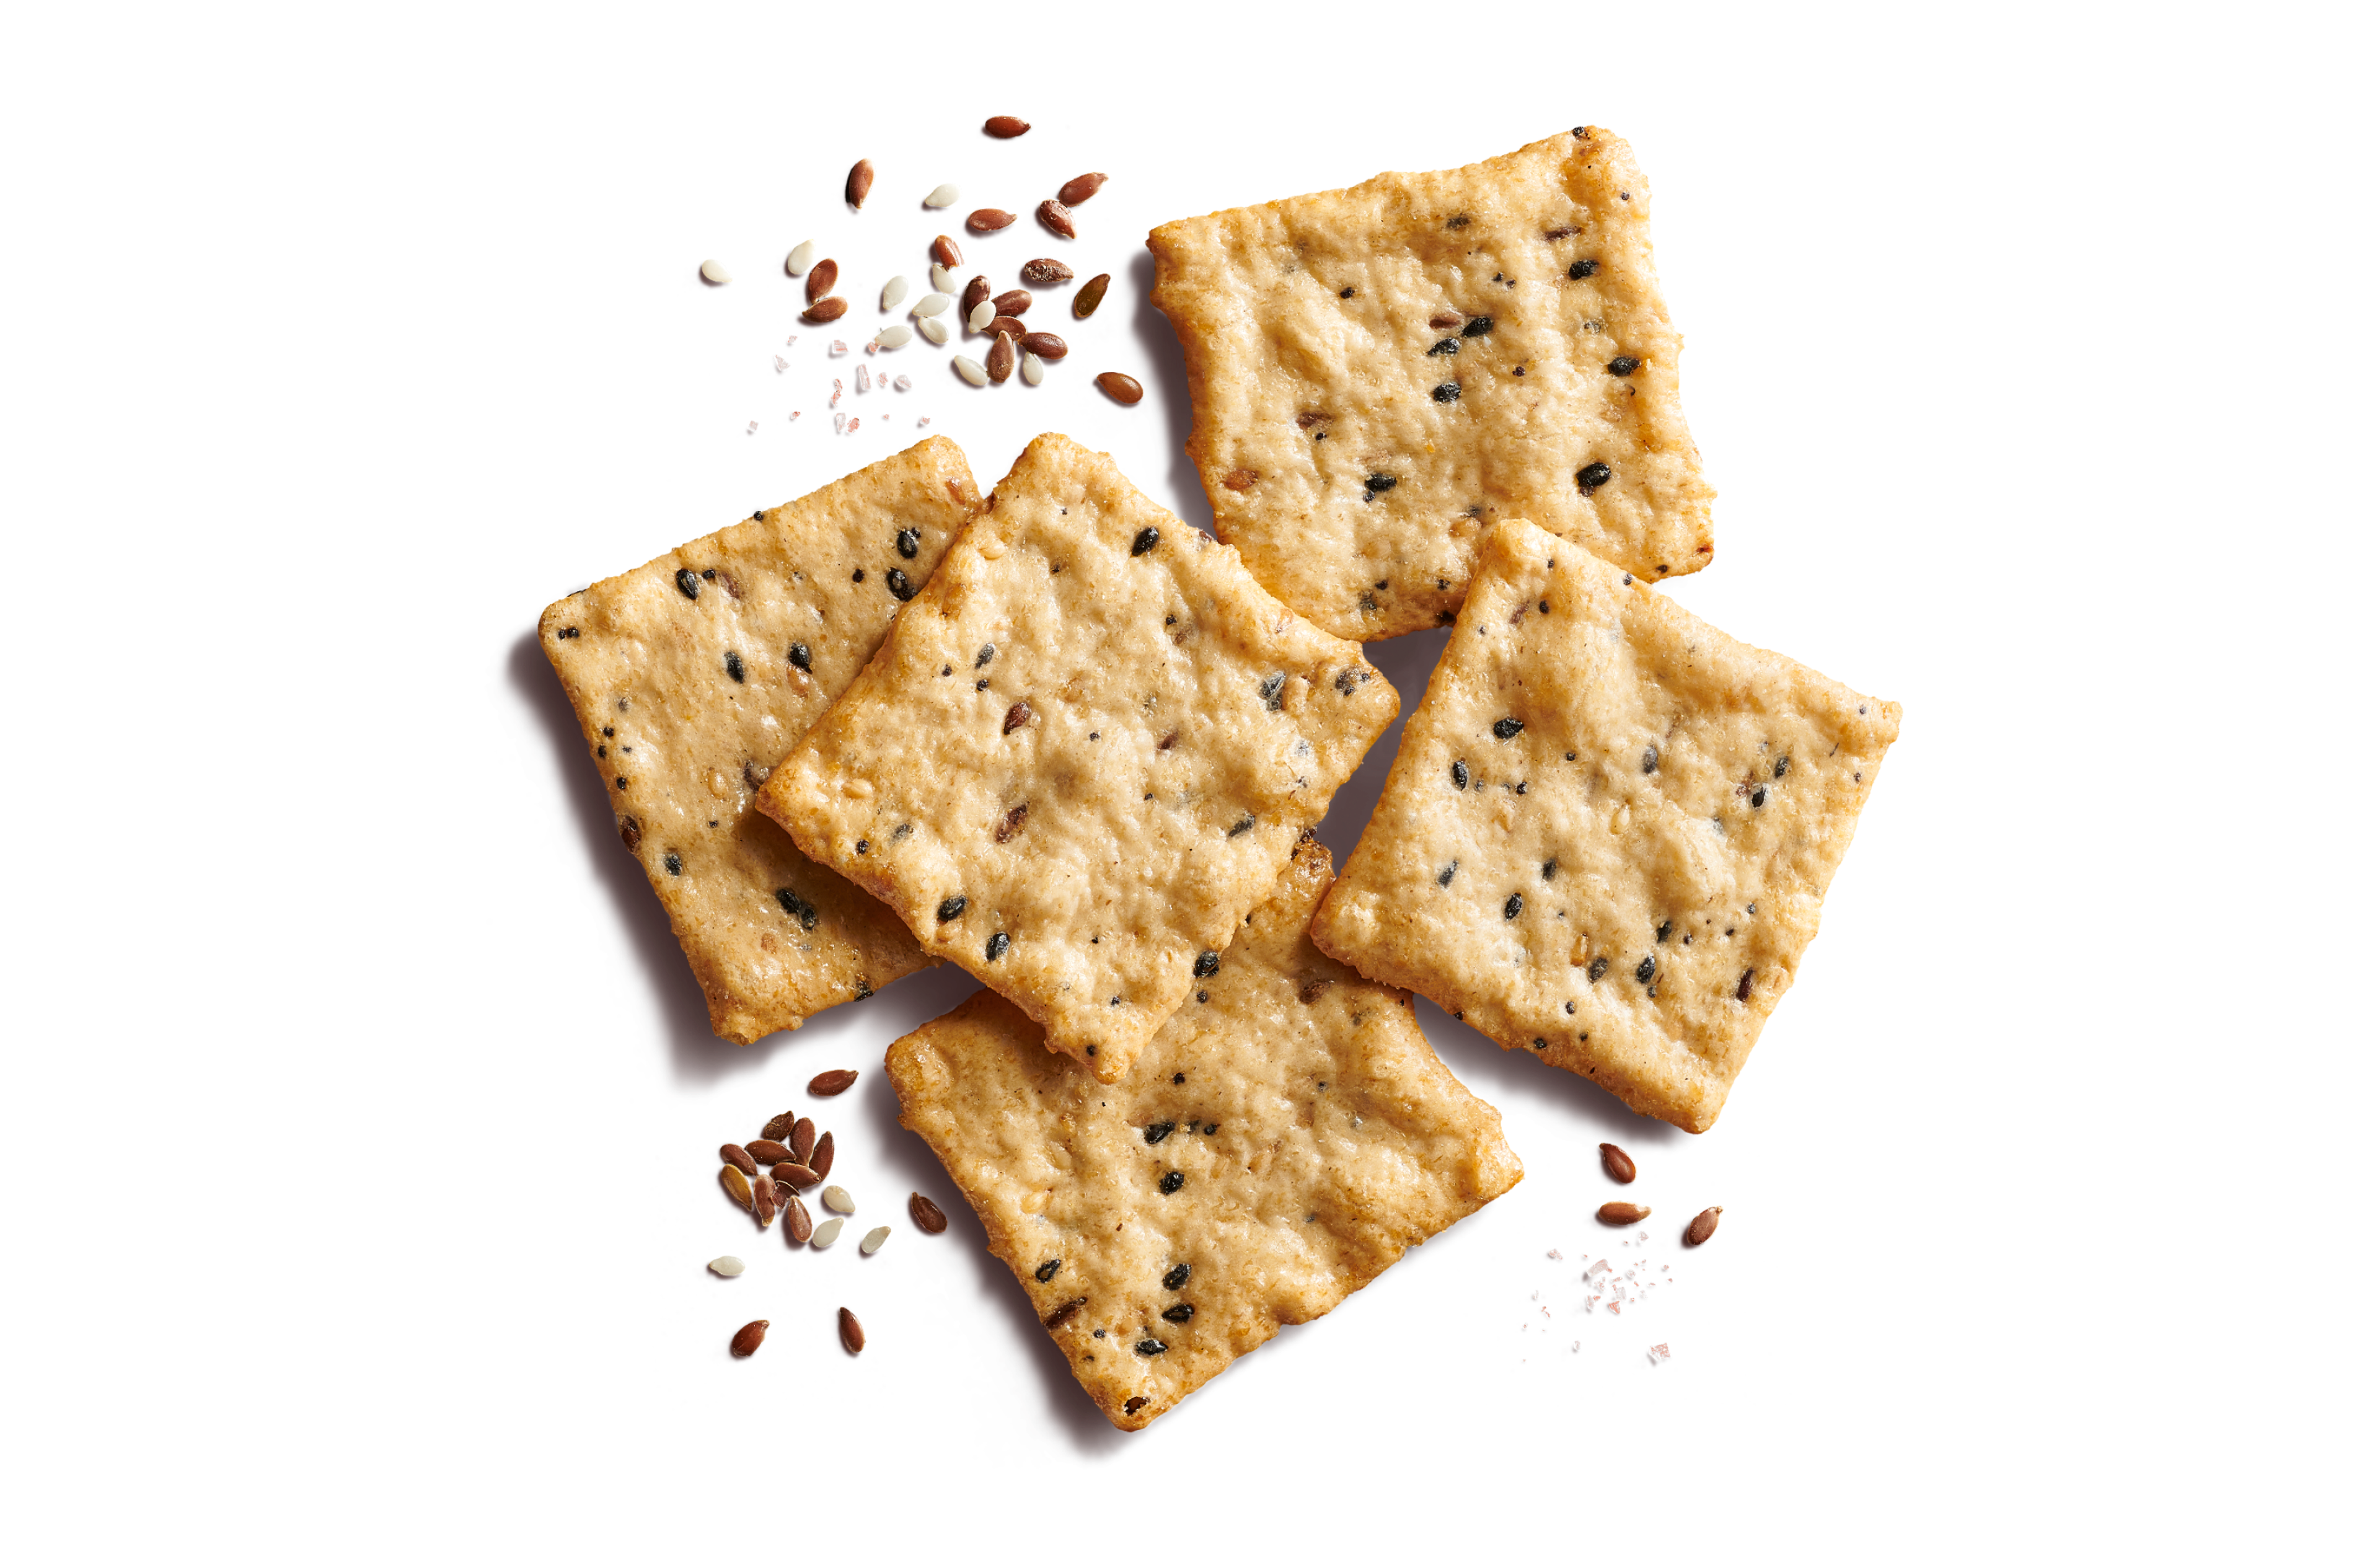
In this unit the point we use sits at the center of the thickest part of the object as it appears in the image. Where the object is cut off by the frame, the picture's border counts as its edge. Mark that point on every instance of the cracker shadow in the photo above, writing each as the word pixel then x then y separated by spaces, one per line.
pixel 1169 391
pixel 1407 662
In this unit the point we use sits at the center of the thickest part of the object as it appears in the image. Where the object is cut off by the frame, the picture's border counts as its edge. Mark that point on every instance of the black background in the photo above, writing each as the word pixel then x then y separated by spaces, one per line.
pixel 1812 275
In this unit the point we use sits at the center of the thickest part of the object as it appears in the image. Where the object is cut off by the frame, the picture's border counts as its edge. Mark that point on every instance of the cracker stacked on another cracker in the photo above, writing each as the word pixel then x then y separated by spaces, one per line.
pixel 1083 754
pixel 694 675
pixel 1380 373
pixel 1283 1139
pixel 1608 830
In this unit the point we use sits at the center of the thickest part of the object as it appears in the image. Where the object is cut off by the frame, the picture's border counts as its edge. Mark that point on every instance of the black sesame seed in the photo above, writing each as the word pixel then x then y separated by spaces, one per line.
pixel 995 946
pixel 1507 730
pixel 1541 1044
pixel 1512 907
pixel 1663 932
pixel 1352 678
pixel 1445 347
pixel 1178 1313
pixel 675 866
pixel 907 541
pixel 689 583
pixel 897 583
pixel 799 907
pixel 1461 776
pixel 1047 1270
pixel 1644 969
pixel 1544 606
pixel 866 990
pixel 1760 795
pixel 622 781
pixel 1582 269
pixel 1596 968
pixel 711 575
pixel 1156 1131
pixel 571 633
pixel 1144 540
pixel 1270 691
pixel 799 655
pixel 861 846
pixel 1381 483
pixel 1208 1130
pixel 1247 821
pixel 1783 765
pixel 981 684
pixel 1168 1183
pixel 1179 1275
pixel 735 667
pixel 1208 961
pixel 1594 474
pixel 1346 293
pixel 1477 326
pixel 946 669
pixel 1651 762
pixel 1202 995
pixel 1623 365
pixel 1545 871
pixel 1744 986
pixel 1448 875
pixel 1570 1008
pixel 1446 391
pixel 1150 1346
pixel 1458 223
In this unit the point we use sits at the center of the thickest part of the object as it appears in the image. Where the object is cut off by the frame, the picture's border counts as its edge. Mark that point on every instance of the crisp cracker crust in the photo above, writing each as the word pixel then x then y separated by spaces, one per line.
pixel 1298 394
pixel 1339 1141
pixel 647 673
pixel 1706 869
pixel 1120 791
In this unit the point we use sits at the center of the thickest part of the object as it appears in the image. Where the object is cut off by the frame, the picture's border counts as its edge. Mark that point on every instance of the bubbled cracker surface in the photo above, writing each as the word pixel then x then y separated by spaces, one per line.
pixel 1149 740
pixel 647 674
pixel 1255 295
pixel 1339 1141
pixel 1608 671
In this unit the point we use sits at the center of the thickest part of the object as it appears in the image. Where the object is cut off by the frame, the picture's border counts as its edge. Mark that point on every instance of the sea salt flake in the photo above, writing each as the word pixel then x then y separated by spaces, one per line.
pixel 901 384
pixel 750 428
pixel 1600 1266
pixel 781 363
pixel 859 383
pixel 838 422
pixel 794 415
pixel 1553 1252
pixel 923 422
pixel 879 379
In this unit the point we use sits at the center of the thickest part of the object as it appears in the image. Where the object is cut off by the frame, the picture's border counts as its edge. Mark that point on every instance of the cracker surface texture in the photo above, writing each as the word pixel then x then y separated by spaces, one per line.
pixel 695 674
pixel 1608 830
pixel 1380 375
pixel 1083 754
pixel 1278 1145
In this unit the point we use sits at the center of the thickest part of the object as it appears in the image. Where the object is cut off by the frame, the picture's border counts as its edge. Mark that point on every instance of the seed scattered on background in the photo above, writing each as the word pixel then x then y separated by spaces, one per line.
pixel 945 252
pixel 984 220
pixel 798 262
pixel 974 374
pixel 1045 271
pixel 727 1267
pixel 803 1138
pixel 980 317
pixel 894 337
pixel 823 1155
pixel 945 281
pixel 931 305
pixel 797 1222
pixel 764 1201
pixel 1004 128
pixel 738 1188
pixel 828 1230
pixel 827 1083
pixel 1618 1164
pixel 927 1214
pixel 1050 347
pixel 1006 326
pixel 943 197
pixel 934 330
pixel 1012 303
pixel 874 1239
pixel 1032 371
pixel 796 1175
pixel 855 1338
pixel 827 311
pixel 821 279
pixel 740 1159
pixel 999 359
pixel 837 1199
pixel 896 290
pixel 768 1153
pixel 978 290
pixel 747 1338
pixel 1077 189
pixel 1054 215
pixel 781 1126
pixel 1117 385
pixel 862 179
pixel 1087 300
pixel 713 272
pixel 1618 1213
pixel 1699 1230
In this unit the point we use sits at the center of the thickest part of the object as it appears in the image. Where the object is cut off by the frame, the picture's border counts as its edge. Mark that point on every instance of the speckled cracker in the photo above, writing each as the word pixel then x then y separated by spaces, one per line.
pixel 1286 1137
pixel 1380 373
pixel 693 675
pixel 1083 754
pixel 1608 829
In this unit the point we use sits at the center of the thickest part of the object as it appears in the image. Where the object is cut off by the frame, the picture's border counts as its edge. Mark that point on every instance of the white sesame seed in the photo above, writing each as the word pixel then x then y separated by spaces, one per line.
pixel 836 1198
pixel 874 1239
pixel 980 319
pixel 727 1267
pixel 894 336
pixel 896 290
pixel 935 329
pixel 797 262
pixel 828 1230
pixel 1032 371
pixel 713 272
pixel 942 197
pixel 945 282
pixel 972 370
pixel 930 305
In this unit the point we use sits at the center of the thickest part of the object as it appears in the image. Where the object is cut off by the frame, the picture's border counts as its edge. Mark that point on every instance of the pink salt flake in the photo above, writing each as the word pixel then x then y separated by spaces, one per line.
pixel 838 422
pixel 838 347
pixel 1658 1354
pixel 1600 1266
pixel 1614 1305
pixel 1553 1252
pixel 901 384
pixel 794 415
pixel 923 422
pixel 751 427
pixel 879 379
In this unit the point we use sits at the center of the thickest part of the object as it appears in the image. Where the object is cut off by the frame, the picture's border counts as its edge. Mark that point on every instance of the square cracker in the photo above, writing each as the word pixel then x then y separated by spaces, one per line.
pixel 1322 334
pixel 1083 754
pixel 682 742
pixel 1312 1134
pixel 1608 829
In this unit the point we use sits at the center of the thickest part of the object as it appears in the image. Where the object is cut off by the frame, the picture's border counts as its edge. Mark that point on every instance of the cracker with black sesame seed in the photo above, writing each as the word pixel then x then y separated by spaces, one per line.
pixel 1380 373
pixel 1283 1139
pixel 694 675
pixel 1608 830
pixel 1083 754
